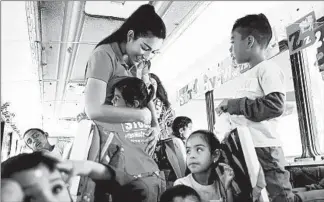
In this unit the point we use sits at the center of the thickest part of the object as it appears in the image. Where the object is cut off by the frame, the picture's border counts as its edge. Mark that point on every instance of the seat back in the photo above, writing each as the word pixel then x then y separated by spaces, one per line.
pixel 239 153
pixel 80 150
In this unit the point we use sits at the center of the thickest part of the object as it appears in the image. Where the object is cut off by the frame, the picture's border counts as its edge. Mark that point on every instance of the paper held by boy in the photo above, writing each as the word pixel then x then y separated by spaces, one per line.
pixel 225 123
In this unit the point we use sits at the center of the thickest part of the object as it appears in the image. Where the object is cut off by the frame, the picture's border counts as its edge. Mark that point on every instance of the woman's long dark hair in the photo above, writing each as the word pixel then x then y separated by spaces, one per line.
pixel 143 21
pixel 160 91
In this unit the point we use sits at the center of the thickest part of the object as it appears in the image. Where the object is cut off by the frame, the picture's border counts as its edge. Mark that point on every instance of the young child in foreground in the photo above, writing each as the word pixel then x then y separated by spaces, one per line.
pixel 180 193
pixel 211 179
pixel 33 177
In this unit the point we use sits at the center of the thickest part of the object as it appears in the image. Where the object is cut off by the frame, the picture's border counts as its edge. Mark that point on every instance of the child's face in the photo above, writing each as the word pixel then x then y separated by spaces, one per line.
pixel 239 48
pixel 118 100
pixel 186 199
pixel 186 131
pixel 36 140
pixel 199 157
pixel 41 185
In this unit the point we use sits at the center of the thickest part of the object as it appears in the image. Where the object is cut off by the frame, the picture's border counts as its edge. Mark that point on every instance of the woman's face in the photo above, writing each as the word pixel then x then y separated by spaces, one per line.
pixel 142 48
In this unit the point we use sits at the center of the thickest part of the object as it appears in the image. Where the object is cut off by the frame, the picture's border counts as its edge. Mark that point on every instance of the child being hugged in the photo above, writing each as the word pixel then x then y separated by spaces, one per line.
pixel 124 170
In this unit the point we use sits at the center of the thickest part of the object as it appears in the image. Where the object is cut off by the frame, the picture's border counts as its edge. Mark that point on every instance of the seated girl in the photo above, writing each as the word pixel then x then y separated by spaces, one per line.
pixel 211 179
pixel 32 177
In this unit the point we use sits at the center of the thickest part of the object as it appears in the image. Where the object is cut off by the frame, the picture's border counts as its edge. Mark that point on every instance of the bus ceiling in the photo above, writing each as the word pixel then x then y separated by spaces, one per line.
pixel 57 38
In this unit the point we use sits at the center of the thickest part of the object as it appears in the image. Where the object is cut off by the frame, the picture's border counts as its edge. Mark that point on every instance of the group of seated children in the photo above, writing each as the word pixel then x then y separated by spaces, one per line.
pixel 125 170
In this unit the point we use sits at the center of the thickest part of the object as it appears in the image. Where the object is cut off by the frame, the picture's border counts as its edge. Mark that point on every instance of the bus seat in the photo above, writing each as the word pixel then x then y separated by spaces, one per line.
pixel 239 154
pixel 80 150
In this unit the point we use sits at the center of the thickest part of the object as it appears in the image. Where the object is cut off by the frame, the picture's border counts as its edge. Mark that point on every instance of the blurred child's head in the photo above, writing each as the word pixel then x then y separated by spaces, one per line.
pixel 182 127
pixel 132 92
pixel 37 176
pixel 250 37
pixel 180 193
pixel 36 139
pixel 203 151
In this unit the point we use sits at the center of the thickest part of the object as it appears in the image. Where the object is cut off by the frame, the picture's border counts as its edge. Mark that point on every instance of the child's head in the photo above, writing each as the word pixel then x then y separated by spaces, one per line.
pixel 180 193
pixel 182 127
pixel 36 139
pixel 203 151
pixel 37 176
pixel 250 37
pixel 132 92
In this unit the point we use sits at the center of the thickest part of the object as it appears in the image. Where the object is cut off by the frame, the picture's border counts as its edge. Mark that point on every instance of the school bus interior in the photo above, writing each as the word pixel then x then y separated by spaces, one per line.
pixel 44 58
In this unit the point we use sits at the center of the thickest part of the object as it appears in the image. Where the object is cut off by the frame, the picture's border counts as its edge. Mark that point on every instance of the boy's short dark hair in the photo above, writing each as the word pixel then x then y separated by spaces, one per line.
pixel 179 191
pixel 256 25
pixel 31 129
pixel 178 123
pixel 26 161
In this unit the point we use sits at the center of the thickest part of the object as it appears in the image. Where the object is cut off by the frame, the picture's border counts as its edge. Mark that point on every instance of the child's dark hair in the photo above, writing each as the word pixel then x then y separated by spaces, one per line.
pixel 132 89
pixel 182 191
pixel 209 137
pixel 256 25
pixel 34 129
pixel 144 21
pixel 178 123
pixel 160 91
pixel 26 161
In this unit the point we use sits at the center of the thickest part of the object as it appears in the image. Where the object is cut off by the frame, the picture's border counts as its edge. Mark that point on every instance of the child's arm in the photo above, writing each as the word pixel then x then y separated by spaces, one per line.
pixel 263 108
pixel 153 137
pixel 94 170
pixel 229 195
pixel 260 109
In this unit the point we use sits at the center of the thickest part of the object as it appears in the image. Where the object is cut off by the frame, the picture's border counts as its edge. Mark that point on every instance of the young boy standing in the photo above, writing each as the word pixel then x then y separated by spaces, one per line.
pixel 261 100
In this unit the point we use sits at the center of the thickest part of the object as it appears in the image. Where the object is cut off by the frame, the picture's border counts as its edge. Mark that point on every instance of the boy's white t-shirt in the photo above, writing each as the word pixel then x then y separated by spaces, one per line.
pixel 266 77
pixel 207 193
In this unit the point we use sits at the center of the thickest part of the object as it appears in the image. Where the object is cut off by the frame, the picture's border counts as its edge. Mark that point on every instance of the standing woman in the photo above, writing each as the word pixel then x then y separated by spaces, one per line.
pixel 124 53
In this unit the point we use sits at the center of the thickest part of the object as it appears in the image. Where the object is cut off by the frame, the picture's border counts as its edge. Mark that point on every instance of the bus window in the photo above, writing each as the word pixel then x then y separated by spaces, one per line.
pixel 195 109
pixel 314 65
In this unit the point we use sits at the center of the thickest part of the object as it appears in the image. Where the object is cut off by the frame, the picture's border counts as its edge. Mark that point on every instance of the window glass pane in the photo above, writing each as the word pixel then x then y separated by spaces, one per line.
pixel 196 110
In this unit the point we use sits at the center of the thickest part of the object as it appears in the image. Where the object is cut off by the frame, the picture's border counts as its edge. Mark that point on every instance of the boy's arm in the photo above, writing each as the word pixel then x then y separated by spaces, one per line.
pixel 96 171
pixel 260 109
pixel 272 81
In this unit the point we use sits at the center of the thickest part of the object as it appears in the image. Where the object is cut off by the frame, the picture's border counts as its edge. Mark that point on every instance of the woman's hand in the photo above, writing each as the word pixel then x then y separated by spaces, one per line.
pixel 227 175
pixel 152 138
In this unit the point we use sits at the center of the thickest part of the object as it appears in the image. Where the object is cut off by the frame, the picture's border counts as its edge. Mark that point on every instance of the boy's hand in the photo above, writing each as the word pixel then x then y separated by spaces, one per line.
pixel 227 176
pixel 222 107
